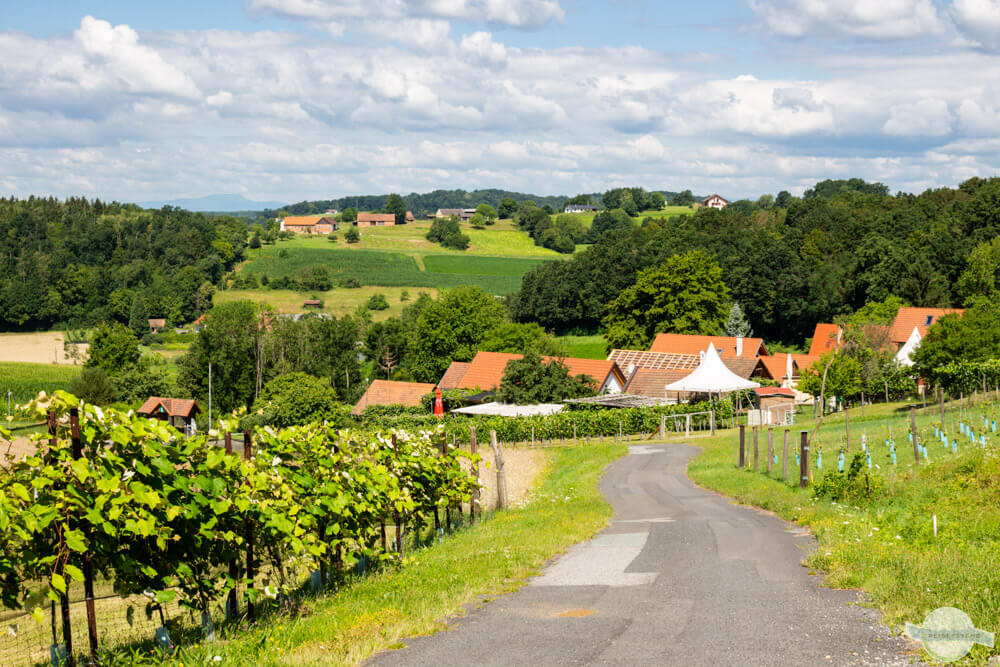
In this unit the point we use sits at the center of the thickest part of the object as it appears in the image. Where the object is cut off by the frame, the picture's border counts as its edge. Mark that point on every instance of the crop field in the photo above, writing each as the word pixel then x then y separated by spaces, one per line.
pixel 25 380
pixel 498 275
pixel 585 347
pixel 42 347
pixel 338 302
pixel 665 212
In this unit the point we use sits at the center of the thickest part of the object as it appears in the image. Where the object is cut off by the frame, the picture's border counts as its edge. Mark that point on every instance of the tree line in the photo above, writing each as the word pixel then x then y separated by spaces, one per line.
pixel 790 262
pixel 86 261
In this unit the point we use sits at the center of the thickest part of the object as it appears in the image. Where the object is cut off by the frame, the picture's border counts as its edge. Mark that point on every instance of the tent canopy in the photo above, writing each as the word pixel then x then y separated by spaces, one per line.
pixel 509 410
pixel 711 376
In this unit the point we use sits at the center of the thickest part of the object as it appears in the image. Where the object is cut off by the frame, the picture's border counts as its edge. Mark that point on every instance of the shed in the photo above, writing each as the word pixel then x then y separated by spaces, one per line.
pixel 157 324
pixel 312 303
pixel 776 405
pixel 178 412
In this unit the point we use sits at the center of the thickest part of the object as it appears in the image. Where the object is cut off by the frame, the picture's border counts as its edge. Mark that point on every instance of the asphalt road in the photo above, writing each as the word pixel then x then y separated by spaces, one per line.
pixel 681 577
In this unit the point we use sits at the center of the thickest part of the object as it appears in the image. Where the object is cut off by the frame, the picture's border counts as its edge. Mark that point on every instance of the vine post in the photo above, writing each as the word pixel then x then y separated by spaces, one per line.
pixel 64 596
pixel 247 455
pixel 232 606
pixel 913 434
pixel 475 466
pixel 88 565
pixel 447 509
pixel 399 518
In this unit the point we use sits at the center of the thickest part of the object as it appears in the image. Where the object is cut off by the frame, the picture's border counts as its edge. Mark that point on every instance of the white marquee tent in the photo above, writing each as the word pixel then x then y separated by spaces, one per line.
pixel 711 377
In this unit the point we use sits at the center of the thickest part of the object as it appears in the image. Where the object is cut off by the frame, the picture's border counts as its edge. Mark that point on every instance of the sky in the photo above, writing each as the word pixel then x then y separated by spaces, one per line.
pixel 285 100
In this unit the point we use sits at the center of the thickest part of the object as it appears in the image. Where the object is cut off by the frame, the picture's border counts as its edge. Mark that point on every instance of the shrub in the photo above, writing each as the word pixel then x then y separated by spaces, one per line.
pixel 855 485
pixel 350 283
pixel 378 301
pixel 93 385
pixel 298 398
pixel 352 235
pixel 317 278
pixel 457 241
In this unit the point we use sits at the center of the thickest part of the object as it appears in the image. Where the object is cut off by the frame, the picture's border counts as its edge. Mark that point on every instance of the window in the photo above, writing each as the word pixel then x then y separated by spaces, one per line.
pixel 930 321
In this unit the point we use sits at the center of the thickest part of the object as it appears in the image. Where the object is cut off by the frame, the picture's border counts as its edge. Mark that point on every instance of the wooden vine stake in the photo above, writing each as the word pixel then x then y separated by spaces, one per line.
pixel 88 566
pixel 475 469
pixel 251 569
pixel 501 472
pixel 399 519
pixel 63 597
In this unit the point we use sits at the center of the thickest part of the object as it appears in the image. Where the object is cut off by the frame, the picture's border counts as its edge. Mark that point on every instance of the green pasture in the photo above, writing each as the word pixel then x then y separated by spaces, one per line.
pixel 585 347
pixel 25 380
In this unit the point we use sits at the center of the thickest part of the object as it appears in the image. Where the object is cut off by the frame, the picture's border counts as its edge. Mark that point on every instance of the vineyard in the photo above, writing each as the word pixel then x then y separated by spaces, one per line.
pixel 126 506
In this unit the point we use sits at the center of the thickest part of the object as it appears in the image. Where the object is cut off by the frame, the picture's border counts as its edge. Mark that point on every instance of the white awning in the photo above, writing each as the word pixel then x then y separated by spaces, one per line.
pixel 711 376
pixel 505 410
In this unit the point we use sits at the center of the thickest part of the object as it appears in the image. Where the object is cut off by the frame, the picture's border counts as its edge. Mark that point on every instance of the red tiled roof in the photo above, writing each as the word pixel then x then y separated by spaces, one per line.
pixel 804 361
pixel 453 376
pixel 376 217
pixel 651 381
pixel 775 366
pixel 306 220
pixel 174 407
pixel 486 369
pixel 692 344
pixel 774 391
pixel 390 392
pixel 907 318
pixel 826 337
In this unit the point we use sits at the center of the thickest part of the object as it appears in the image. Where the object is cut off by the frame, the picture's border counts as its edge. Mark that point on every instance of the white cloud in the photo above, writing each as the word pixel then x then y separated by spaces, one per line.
pixel 479 47
pixel 979 20
pixel 876 19
pixel 515 13
pixel 927 117
pixel 141 68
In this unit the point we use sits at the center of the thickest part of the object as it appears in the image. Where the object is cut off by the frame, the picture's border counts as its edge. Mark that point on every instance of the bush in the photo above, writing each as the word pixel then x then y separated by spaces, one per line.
pixel 856 485
pixel 352 235
pixel 298 398
pixel 350 283
pixel 137 382
pixel 332 236
pixel 316 278
pixel 93 385
pixel 456 241
pixel 441 228
pixel 378 301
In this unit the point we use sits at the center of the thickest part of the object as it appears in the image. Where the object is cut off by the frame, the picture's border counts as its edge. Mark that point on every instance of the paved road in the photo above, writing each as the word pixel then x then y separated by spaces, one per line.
pixel 680 577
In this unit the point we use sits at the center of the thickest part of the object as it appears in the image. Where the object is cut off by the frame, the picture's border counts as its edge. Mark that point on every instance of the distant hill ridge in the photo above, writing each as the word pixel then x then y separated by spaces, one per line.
pixel 422 204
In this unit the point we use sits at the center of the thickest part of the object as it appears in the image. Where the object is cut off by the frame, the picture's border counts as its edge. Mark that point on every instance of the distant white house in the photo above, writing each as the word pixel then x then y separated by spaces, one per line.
pixel 715 201
pixel 580 208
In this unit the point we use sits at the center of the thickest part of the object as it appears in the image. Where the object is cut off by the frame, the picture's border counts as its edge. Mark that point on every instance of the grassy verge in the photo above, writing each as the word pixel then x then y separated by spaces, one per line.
pixel 885 545
pixel 495 556
pixel 585 347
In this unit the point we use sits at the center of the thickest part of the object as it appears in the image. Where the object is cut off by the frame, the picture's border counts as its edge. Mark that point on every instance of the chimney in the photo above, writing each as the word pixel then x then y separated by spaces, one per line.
pixel 739 346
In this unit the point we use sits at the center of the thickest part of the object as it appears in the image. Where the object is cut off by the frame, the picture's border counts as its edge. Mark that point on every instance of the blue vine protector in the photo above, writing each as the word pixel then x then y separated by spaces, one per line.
pixel 893 452
pixel 954 446
pixel 868 457
pixel 819 460
pixel 840 462
pixel 163 639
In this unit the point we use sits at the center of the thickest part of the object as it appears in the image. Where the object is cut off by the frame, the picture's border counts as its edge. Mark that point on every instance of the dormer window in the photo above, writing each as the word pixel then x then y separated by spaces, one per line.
pixel 930 321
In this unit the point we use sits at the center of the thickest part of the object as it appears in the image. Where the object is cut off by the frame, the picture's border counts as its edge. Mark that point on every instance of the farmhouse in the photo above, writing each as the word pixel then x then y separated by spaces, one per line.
pixel 309 224
pixel 715 201
pixel 580 208
pixel 178 412
pixel 453 376
pixel 826 337
pixel 908 319
pixel 390 392
pixel 464 214
pixel 486 369
pixel 376 220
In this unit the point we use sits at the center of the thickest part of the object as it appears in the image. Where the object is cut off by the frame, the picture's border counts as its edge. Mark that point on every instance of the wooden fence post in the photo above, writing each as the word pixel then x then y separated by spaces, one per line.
pixel 64 597
pixel 804 460
pixel 770 449
pixel 447 509
pixel 399 518
pixel 755 450
pixel 88 566
pixel 711 421
pixel 232 606
pixel 251 569
pixel 743 439
pixel 913 434
pixel 663 427
pixel 501 472
pixel 847 429
pixel 941 394
pixel 475 492
pixel 784 457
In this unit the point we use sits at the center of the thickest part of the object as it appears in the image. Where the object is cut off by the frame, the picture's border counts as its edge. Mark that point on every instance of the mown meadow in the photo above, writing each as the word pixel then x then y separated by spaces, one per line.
pixel 876 526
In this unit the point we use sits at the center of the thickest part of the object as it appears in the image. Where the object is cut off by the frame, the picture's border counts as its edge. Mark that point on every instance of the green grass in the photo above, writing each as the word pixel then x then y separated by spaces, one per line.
pixel 497 275
pixel 26 380
pixel 340 301
pixel 585 347
pixel 886 546
pixel 495 556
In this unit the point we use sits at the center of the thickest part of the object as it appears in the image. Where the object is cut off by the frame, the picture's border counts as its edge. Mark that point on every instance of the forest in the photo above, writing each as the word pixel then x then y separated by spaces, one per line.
pixel 82 262
pixel 791 262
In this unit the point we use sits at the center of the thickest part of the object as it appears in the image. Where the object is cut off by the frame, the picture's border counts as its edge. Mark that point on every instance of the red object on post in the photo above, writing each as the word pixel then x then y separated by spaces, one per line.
pixel 438 403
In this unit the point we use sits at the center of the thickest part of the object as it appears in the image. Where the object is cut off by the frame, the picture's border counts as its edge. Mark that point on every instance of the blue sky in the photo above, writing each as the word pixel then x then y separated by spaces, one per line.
pixel 292 99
